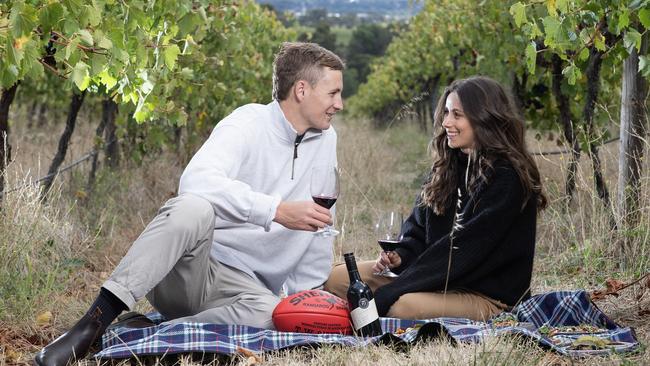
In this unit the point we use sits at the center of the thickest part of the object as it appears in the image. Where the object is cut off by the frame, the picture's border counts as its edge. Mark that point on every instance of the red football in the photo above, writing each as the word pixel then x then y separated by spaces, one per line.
pixel 312 311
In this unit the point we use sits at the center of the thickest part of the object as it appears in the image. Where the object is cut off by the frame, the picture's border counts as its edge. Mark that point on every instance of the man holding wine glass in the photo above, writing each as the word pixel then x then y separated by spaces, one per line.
pixel 240 231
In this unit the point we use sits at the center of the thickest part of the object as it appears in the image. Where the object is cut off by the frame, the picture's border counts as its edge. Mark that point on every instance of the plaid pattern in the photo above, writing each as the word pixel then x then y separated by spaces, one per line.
pixel 556 309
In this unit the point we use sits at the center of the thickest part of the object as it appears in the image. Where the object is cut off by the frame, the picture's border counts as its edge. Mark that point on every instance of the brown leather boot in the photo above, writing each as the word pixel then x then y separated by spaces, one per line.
pixel 75 343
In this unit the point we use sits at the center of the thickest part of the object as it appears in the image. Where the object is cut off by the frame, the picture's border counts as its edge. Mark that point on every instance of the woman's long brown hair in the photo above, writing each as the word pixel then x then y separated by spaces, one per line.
pixel 498 133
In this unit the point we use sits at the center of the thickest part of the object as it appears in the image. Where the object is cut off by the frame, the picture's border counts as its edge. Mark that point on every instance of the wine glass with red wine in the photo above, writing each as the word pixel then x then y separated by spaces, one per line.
pixel 389 235
pixel 324 191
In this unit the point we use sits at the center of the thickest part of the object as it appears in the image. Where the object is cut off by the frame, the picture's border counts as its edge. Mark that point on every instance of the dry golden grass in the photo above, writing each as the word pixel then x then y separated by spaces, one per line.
pixel 70 245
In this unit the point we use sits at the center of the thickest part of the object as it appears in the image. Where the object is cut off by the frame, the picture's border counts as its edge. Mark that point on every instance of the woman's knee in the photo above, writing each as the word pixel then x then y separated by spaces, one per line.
pixel 402 309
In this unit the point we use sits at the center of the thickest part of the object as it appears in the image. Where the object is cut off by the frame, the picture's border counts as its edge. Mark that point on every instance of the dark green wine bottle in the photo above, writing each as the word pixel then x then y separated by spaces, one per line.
pixel 363 311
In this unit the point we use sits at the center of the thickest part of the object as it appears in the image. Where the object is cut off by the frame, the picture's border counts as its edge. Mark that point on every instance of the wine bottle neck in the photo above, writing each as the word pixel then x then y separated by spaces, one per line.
pixel 351 265
pixel 354 276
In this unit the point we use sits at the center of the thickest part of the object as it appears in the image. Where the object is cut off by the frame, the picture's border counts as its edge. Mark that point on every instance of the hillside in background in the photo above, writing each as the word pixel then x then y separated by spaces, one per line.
pixel 404 8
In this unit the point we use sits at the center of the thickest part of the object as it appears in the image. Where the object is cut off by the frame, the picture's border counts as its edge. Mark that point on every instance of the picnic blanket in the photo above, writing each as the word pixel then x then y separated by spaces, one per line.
pixel 565 322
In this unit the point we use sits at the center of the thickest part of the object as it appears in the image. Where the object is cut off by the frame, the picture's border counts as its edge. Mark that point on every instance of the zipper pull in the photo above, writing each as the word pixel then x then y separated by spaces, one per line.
pixel 295 156
pixel 296 142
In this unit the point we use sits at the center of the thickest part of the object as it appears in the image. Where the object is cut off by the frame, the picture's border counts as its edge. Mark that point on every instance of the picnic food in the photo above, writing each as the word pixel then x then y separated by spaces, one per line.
pixel 312 311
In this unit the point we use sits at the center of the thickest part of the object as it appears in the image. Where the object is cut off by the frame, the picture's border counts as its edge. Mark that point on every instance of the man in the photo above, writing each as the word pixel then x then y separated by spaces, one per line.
pixel 240 231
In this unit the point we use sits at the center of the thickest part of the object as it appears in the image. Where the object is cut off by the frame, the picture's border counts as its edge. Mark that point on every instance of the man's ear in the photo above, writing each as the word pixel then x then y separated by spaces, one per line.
pixel 299 90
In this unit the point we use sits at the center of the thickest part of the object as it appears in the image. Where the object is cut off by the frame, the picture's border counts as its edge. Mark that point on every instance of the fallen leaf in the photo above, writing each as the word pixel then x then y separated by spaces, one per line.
pixel 598 295
pixel 44 318
pixel 614 285
pixel 612 288
pixel 250 355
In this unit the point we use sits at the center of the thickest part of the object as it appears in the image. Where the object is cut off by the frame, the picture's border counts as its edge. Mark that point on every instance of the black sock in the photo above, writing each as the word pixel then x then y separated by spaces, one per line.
pixel 110 307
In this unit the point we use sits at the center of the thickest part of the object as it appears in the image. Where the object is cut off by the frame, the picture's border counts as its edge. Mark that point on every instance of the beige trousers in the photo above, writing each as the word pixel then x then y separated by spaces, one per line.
pixel 170 263
pixel 419 305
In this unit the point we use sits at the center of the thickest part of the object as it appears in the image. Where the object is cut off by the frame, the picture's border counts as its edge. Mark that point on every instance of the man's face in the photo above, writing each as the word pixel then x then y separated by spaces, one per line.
pixel 323 100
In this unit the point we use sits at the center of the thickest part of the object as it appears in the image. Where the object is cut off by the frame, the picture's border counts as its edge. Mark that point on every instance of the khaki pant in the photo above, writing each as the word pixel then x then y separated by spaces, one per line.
pixel 170 263
pixel 419 305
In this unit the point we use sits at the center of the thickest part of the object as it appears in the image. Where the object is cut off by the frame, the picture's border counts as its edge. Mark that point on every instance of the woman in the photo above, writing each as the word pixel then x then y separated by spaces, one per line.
pixel 468 246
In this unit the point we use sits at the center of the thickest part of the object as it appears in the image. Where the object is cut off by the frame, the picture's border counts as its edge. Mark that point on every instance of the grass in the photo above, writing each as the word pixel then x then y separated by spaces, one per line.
pixel 55 256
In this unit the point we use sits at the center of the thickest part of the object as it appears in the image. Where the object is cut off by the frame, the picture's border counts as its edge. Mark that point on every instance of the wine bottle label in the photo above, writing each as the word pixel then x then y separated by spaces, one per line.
pixel 364 314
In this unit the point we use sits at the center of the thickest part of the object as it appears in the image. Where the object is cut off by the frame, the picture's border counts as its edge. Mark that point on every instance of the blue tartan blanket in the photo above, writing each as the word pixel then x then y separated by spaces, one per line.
pixel 565 322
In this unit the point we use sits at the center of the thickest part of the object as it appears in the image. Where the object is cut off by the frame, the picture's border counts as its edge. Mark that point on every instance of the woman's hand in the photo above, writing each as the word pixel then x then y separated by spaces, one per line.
pixel 387 259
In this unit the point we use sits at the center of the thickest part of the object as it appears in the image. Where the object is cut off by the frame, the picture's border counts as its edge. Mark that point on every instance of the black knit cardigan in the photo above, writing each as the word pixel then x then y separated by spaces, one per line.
pixel 492 251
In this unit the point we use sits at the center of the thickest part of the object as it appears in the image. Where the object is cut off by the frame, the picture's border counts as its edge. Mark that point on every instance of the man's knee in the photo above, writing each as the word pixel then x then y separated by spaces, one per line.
pixel 187 211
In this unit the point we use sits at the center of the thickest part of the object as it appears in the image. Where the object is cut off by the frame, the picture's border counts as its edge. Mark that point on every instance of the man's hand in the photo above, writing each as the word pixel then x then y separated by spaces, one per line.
pixel 387 259
pixel 302 215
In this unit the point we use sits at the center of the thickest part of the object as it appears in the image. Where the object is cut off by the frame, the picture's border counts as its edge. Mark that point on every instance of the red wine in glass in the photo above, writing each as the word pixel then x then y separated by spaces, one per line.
pixel 388 245
pixel 389 235
pixel 324 190
pixel 325 201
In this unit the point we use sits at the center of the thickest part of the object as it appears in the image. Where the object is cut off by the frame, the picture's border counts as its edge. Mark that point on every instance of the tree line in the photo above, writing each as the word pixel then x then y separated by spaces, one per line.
pixel 153 67
pixel 562 59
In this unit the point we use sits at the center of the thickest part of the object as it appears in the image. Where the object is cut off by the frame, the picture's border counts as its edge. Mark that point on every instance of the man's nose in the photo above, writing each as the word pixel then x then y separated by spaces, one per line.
pixel 338 103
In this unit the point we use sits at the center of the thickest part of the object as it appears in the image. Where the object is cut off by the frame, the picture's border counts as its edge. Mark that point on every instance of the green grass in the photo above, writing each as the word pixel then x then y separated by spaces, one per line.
pixel 39 251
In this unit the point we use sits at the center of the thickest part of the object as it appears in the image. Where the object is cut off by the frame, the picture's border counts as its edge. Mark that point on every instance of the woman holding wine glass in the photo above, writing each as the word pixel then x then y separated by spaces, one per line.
pixel 467 247
pixel 389 235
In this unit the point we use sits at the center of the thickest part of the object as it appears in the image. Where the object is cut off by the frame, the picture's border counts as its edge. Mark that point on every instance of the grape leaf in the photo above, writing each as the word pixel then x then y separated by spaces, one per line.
pixel 518 11
pixel 531 57
pixel 107 79
pixel 644 18
pixel 632 40
pixel 643 66
pixel 49 16
pixel 572 73
pixel 86 37
pixel 80 75
pixel 171 55
pixel 22 19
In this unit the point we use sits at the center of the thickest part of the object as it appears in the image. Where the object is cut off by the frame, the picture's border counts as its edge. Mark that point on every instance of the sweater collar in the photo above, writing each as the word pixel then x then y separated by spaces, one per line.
pixel 284 129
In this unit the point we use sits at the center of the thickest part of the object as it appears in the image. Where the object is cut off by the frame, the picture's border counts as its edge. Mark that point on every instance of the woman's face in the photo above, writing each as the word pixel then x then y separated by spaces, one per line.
pixel 460 134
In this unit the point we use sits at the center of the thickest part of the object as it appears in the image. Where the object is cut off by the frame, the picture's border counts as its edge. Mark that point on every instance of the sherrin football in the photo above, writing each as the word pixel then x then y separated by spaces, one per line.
pixel 312 311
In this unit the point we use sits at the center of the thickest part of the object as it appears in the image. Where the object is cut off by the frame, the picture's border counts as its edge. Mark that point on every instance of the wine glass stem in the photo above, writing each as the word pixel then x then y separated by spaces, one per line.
pixel 386 269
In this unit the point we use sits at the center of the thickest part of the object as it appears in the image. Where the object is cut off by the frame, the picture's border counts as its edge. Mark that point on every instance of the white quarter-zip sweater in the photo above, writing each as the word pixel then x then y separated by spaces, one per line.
pixel 244 170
